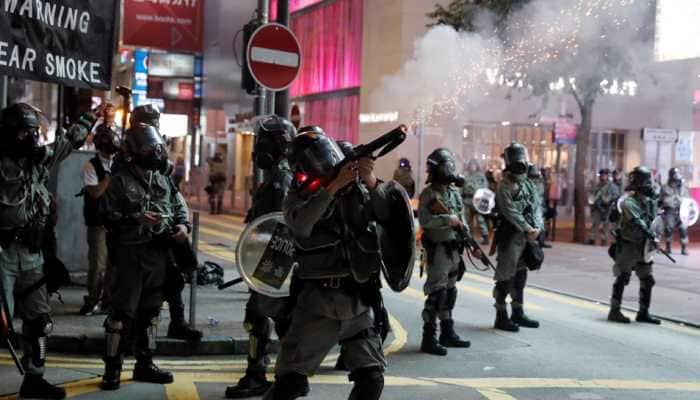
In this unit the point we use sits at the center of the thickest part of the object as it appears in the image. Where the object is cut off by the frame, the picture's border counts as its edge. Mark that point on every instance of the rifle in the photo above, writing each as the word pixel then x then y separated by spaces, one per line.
pixel 466 239
pixel 650 236
pixel 384 144
pixel 7 331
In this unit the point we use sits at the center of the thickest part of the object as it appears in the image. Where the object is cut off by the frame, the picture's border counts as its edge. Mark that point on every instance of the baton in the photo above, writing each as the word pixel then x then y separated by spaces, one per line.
pixel 230 283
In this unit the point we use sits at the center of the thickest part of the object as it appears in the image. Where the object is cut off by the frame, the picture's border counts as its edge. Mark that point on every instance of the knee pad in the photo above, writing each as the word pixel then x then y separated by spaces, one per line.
pixel 38 327
pixel 114 332
pixel 501 290
pixel 369 373
pixel 436 300
pixel 255 324
pixel 623 279
pixel 647 282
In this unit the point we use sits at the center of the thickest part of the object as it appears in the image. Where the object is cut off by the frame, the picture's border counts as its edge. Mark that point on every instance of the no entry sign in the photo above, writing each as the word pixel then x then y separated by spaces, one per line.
pixel 274 56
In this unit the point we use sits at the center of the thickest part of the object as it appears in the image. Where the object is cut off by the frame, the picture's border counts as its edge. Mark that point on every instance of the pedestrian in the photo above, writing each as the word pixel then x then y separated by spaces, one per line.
pixel 474 180
pixel 25 166
pixel 601 199
pixel 672 193
pixel 144 215
pixel 520 223
pixel 631 247
pixel 179 173
pixel 404 176
pixel 217 183
pixel 95 177
pixel 271 147
pixel 442 219
pixel 331 304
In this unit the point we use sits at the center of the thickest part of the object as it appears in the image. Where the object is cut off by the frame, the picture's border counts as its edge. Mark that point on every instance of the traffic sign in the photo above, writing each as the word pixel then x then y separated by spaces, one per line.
pixel 274 56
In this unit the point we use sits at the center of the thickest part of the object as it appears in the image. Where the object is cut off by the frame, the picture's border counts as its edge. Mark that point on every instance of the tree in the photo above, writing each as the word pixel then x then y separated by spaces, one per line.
pixel 566 59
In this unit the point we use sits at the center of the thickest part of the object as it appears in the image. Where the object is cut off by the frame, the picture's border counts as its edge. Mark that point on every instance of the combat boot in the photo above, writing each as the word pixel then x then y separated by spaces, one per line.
pixel 112 376
pixel 248 386
pixel 146 371
pixel 615 315
pixel 644 316
pixel 430 344
pixel 504 323
pixel 182 330
pixel 36 387
pixel 448 336
pixel 684 249
pixel 518 316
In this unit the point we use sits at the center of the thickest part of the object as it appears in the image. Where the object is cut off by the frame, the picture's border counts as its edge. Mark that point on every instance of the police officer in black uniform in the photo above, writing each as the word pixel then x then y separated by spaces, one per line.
pixel 337 279
pixel 25 206
pixel 270 152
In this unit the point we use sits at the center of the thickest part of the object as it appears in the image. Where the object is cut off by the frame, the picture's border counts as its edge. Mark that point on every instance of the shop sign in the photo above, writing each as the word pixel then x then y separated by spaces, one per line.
pixel 69 42
pixel 565 131
pixel 171 65
pixel 174 25
pixel 684 147
pixel 659 135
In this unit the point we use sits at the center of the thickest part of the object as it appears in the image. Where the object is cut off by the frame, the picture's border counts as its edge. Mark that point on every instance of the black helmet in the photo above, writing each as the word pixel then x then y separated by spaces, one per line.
pixel 148 114
pixel 441 168
pixel 404 163
pixel 272 141
pixel 603 171
pixel 314 153
pixel 106 140
pixel 516 158
pixel 345 146
pixel 311 128
pixel 533 172
pixel 674 176
pixel 19 130
pixel 145 148
pixel 641 181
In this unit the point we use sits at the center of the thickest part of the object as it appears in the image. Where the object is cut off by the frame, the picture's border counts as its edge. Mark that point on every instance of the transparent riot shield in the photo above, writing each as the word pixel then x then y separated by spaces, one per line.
pixel 484 201
pixel 265 255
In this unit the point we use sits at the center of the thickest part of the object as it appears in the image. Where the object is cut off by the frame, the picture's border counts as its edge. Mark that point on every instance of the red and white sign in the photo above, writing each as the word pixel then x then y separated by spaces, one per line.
pixel 174 25
pixel 274 56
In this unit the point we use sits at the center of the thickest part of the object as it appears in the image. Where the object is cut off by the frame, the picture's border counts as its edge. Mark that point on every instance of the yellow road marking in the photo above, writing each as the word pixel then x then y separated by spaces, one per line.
pixel 229 226
pixel 495 394
pixel 217 251
pixel 417 294
pixel 213 232
pixel 400 336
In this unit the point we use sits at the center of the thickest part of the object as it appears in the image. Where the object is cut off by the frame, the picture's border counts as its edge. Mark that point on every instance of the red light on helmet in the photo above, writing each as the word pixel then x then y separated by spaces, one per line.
pixel 314 185
pixel 301 177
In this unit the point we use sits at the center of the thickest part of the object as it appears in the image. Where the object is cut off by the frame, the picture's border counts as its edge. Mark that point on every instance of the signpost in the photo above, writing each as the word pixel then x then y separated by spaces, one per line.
pixel 274 56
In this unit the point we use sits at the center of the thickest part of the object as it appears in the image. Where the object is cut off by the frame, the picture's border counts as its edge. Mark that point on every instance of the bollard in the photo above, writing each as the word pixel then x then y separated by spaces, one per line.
pixel 193 281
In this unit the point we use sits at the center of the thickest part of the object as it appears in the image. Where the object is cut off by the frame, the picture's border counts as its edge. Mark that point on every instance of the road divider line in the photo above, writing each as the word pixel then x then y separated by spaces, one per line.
pixel 565 383
pixel 229 226
pixel 495 394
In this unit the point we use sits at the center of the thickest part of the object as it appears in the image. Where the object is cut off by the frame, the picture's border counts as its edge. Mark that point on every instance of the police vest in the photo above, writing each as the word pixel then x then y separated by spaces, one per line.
pixel 91 205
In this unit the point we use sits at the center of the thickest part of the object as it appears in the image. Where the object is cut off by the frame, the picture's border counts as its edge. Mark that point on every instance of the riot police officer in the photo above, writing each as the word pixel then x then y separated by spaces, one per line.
pixel 671 195
pixel 601 200
pixel 520 222
pixel 270 151
pixel 473 181
pixel 145 216
pixel 25 166
pixel 337 279
pixel 441 218
pixel 404 176
pixel 638 212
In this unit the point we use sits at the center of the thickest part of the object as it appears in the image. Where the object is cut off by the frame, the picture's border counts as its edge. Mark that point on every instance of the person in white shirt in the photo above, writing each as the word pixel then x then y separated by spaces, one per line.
pixel 95 177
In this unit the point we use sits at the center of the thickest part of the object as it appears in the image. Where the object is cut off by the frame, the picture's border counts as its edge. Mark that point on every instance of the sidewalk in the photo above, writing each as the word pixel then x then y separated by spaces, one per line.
pixel 78 334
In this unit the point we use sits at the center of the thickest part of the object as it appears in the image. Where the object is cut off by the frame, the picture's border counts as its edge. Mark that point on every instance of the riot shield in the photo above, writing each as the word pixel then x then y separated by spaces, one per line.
pixel 265 255
pixel 484 201
pixel 689 211
pixel 621 200
pixel 397 239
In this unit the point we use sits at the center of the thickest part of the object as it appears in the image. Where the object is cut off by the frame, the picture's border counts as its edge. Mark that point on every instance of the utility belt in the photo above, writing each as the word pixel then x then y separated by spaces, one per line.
pixel 183 254
pixel 30 236
pixel 345 283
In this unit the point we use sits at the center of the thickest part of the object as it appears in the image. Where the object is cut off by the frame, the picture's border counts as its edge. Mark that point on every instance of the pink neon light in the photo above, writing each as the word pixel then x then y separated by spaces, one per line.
pixel 338 116
pixel 294 5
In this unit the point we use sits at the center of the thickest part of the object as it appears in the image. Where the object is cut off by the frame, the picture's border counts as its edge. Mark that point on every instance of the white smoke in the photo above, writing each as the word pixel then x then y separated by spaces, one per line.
pixel 454 77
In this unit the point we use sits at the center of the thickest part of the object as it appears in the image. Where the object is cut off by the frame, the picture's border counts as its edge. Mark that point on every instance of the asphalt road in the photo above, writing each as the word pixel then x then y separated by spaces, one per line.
pixel 575 354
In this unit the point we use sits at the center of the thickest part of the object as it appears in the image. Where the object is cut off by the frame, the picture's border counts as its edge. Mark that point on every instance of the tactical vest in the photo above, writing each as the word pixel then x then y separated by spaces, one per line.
pixel 91 205
pixel 340 245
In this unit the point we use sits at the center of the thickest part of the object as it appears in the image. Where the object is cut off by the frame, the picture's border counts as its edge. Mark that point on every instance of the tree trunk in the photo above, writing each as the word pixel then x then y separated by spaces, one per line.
pixel 583 139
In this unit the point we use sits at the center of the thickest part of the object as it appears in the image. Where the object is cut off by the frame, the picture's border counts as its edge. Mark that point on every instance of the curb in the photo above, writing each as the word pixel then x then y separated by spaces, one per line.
pixel 592 300
pixel 208 346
